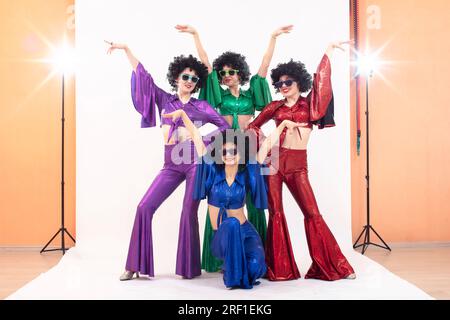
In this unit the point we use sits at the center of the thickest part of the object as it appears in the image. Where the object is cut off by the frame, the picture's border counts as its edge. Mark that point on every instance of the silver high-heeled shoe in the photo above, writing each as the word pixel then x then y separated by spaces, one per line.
pixel 351 276
pixel 128 275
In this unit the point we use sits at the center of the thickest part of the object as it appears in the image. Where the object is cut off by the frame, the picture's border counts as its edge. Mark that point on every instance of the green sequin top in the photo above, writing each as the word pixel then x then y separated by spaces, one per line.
pixel 254 98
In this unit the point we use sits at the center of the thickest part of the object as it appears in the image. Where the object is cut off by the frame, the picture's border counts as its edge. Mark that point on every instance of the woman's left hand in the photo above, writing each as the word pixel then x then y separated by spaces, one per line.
pixel 281 30
pixel 292 125
pixel 174 115
pixel 185 28
pixel 340 44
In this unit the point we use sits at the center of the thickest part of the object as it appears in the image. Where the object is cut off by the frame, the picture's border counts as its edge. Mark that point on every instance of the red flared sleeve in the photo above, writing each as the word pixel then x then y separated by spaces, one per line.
pixel 321 94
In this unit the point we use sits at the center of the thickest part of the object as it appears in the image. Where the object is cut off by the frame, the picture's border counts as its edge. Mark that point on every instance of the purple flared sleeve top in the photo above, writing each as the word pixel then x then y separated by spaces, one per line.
pixel 147 96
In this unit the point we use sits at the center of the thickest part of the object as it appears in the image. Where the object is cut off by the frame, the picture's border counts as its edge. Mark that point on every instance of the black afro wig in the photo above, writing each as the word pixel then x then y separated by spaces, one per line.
pixel 235 61
pixel 182 62
pixel 296 71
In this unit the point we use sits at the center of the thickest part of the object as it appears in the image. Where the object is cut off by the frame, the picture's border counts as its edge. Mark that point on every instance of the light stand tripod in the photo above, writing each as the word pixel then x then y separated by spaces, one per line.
pixel 62 229
pixel 368 227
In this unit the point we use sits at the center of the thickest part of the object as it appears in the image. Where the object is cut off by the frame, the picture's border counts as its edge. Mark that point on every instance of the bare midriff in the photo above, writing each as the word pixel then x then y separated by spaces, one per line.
pixel 181 133
pixel 231 213
pixel 297 138
pixel 243 119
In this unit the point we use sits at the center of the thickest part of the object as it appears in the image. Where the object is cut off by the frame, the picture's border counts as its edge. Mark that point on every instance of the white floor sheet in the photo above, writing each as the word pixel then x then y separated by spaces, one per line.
pixel 96 277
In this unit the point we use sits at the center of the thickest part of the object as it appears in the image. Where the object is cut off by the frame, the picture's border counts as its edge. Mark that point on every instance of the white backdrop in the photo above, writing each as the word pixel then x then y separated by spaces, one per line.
pixel 117 160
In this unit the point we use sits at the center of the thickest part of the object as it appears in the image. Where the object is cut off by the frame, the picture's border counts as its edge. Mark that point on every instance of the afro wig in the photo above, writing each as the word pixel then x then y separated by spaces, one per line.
pixel 235 61
pixel 182 62
pixel 296 71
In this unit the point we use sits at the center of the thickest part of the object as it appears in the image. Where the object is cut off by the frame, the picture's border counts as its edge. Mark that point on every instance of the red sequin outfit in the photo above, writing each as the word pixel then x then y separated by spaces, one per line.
pixel 328 261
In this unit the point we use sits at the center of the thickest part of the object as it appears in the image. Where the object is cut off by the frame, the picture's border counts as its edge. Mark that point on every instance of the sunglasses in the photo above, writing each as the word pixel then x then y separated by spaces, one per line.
pixel 187 77
pixel 230 151
pixel 231 72
pixel 287 83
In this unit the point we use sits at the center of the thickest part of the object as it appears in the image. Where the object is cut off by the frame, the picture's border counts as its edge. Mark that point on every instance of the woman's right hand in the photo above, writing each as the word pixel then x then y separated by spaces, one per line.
pixel 292 125
pixel 114 46
pixel 185 28
pixel 175 115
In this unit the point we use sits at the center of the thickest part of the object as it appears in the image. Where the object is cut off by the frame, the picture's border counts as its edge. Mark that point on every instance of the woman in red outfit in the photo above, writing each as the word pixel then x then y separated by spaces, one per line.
pixel 290 166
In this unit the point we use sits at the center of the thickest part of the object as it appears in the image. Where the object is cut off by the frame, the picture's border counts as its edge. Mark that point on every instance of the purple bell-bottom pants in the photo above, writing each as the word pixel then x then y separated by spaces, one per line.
pixel 140 252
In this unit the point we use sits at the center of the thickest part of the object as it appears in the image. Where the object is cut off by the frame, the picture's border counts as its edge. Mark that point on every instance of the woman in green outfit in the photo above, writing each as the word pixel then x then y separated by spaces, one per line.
pixel 238 107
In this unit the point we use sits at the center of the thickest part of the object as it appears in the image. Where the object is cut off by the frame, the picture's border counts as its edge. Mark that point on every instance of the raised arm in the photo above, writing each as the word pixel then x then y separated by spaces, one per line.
pixel 113 46
pixel 191 128
pixel 198 44
pixel 322 93
pixel 262 72
pixel 273 138
pixel 146 95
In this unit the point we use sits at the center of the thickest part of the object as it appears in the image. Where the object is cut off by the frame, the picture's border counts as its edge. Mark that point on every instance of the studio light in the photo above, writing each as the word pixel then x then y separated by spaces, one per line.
pixel 367 65
pixel 63 61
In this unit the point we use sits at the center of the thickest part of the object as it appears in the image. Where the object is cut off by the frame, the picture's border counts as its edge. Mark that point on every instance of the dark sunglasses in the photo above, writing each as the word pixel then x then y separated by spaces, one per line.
pixel 187 77
pixel 287 83
pixel 231 72
pixel 230 151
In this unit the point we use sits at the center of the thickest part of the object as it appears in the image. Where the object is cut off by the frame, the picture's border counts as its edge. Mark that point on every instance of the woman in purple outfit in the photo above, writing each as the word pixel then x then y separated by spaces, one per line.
pixel 186 75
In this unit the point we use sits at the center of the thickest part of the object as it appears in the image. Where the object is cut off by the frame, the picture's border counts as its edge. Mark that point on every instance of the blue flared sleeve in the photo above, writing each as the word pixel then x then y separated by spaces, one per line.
pixel 146 96
pixel 204 177
pixel 256 181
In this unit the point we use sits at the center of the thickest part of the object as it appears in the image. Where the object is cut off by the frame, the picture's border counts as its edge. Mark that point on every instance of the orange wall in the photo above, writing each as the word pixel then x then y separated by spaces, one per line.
pixel 30 123
pixel 410 119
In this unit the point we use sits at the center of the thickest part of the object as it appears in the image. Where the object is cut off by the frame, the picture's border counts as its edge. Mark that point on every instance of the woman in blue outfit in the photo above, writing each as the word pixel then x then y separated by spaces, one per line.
pixel 224 176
